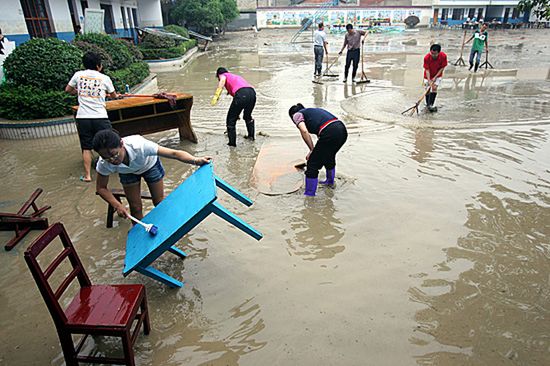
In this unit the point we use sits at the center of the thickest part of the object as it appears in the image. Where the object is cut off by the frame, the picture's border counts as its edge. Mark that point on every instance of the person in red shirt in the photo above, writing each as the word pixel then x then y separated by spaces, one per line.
pixel 434 64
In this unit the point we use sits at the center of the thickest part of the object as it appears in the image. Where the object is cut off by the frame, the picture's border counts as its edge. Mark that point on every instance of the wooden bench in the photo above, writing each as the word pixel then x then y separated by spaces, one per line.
pixel 119 193
pixel 145 115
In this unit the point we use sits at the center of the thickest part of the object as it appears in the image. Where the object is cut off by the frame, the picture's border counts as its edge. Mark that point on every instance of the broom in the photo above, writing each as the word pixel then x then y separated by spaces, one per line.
pixel 364 79
pixel 326 73
pixel 414 108
pixel 460 60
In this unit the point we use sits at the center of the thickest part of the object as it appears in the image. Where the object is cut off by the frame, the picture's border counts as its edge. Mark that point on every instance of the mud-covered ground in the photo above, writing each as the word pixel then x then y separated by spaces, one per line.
pixel 432 249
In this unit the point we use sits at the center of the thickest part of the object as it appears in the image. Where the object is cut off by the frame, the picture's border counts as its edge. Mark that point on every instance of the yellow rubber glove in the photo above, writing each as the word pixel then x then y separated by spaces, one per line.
pixel 216 96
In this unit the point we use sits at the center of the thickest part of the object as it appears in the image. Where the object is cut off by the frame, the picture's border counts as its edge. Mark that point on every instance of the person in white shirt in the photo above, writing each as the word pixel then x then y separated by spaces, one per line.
pixel 92 87
pixel 319 45
pixel 134 157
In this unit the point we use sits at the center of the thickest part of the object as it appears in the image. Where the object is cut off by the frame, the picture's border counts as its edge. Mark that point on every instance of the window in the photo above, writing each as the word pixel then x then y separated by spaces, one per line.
pixel 458 14
pixel 515 13
pixel 123 13
pixel 36 17
pixel 471 13
pixel 74 18
pixel 130 21
pixel 444 14
pixel 108 19
pixel 506 14
pixel 134 14
pixel 479 13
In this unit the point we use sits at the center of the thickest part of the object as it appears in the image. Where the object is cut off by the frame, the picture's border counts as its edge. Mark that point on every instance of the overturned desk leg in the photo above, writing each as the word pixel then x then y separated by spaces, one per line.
pixel 228 216
pixel 232 191
pixel 175 250
pixel 159 276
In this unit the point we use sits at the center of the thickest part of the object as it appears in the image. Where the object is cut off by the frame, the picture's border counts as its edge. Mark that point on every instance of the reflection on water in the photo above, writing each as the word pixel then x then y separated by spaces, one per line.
pixel 202 340
pixel 489 302
pixel 423 144
pixel 317 231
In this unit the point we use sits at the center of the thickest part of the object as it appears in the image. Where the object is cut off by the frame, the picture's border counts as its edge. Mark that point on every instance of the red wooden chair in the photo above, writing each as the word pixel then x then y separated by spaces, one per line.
pixel 21 222
pixel 106 310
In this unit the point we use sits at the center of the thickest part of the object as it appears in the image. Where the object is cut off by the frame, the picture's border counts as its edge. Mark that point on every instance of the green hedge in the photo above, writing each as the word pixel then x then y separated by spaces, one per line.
pixel 121 55
pixel 38 71
pixel 153 41
pixel 134 50
pixel 45 63
pixel 182 31
pixel 167 53
pixel 106 59
pixel 24 102
pixel 132 75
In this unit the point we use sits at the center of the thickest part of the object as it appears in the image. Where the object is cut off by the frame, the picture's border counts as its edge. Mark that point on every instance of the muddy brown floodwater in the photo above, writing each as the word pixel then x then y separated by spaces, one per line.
pixel 433 249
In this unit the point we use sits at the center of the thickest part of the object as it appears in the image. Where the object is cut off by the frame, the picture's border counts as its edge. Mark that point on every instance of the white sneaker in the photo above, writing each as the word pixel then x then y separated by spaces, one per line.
pixel 345 80
pixel 353 80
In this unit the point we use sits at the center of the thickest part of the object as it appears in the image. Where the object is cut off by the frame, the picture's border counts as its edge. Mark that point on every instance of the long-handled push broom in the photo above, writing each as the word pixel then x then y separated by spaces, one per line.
pixel 460 61
pixel 414 108
pixel 364 79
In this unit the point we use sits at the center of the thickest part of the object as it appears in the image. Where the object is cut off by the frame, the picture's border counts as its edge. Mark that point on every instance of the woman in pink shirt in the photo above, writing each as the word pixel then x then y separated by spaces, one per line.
pixel 244 99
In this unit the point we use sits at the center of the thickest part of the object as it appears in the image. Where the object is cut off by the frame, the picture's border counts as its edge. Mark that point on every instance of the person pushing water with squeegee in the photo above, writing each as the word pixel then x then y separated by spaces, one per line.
pixel 434 64
pixel 133 158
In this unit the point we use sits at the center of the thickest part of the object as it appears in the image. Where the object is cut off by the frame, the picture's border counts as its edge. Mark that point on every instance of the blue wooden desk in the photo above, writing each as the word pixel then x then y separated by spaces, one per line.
pixel 182 210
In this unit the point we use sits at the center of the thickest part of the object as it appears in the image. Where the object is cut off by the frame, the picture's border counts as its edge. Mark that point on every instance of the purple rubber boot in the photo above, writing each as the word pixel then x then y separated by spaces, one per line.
pixel 311 186
pixel 330 177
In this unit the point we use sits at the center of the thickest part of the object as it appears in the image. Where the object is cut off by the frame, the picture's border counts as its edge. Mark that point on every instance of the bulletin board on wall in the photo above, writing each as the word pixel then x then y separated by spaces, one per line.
pixel 93 21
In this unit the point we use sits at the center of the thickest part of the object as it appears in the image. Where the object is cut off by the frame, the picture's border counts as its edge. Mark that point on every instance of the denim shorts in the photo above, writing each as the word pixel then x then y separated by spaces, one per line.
pixel 153 175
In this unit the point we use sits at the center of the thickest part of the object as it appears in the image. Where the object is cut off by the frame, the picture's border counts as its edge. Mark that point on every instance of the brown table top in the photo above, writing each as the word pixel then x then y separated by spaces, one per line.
pixel 137 101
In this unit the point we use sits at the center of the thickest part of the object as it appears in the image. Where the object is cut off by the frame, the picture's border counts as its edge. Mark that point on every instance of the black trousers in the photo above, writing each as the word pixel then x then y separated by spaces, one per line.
pixel 332 138
pixel 352 56
pixel 244 100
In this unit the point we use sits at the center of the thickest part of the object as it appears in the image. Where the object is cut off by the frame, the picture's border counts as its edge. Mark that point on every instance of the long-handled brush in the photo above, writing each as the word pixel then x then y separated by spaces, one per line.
pixel 364 79
pixel 460 61
pixel 414 108
pixel 326 73
pixel 486 63
pixel 150 228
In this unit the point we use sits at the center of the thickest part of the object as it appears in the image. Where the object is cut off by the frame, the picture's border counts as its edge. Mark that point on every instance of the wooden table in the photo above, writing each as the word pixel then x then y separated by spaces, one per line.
pixel 182 210
pixel 144 115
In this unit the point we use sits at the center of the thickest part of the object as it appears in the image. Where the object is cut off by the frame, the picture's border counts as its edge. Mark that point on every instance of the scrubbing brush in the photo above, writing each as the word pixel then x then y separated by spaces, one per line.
pixel 150 228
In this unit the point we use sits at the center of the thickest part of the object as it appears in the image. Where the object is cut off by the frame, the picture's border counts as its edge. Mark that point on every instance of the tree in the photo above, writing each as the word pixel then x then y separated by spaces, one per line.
pixel 229 11
pixel 541 8
pixel 204 15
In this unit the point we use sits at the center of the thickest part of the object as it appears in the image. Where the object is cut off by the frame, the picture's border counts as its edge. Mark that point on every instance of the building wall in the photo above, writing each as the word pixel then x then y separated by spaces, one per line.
pixel 60 20
pixel 291 17
pixel 12 20
pixel 488 13
pixel 246 5
pixel 421 3
pixel 150 13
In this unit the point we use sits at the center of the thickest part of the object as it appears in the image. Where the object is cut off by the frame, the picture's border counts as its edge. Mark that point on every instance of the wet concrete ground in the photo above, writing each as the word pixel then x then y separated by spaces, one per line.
pixel 433 249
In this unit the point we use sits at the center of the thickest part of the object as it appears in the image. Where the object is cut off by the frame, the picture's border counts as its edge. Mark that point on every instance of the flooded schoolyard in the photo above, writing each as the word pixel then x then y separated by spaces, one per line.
pixel 432 249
